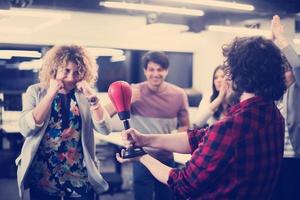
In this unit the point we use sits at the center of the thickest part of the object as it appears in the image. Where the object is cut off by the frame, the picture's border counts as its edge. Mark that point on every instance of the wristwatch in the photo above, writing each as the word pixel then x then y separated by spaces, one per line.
pixel 93 100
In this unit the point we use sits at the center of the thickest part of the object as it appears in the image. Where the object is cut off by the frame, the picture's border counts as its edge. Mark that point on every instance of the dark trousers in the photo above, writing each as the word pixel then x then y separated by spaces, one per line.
pixel 40 195
pixel 146 187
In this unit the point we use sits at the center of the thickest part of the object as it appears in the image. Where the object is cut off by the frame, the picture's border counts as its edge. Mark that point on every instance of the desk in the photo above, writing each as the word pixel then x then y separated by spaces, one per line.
pixel 10 121
pixel 115 138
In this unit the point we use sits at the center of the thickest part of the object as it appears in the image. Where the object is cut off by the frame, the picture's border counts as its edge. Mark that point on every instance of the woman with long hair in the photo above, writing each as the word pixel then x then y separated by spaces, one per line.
pixel 214 108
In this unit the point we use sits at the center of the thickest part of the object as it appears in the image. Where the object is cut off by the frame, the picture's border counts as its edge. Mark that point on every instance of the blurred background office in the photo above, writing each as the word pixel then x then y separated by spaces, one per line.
pixel 117 33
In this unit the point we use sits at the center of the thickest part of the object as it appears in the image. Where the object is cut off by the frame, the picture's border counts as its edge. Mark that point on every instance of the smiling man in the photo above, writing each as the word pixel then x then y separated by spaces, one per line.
pixel 156 107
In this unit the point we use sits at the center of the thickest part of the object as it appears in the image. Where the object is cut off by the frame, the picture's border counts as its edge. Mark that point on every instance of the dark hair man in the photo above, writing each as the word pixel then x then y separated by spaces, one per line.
pixel 238 157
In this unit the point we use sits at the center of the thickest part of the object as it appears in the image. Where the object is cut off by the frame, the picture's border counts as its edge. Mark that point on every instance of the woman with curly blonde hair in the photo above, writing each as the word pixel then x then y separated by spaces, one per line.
pixel 59 114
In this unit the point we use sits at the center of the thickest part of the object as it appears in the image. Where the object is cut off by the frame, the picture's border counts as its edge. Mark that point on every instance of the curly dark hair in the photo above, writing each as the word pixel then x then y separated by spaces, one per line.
pixel 157 57
pixel 215 92
pixel 255 65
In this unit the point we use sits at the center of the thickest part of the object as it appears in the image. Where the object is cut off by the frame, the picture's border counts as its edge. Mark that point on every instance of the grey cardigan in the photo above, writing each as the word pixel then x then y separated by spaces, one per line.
pixel 33 135
pixel 293 100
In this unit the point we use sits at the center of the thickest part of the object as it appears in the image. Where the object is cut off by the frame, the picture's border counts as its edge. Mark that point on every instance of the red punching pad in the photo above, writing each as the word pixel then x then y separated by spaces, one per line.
pixel 120 94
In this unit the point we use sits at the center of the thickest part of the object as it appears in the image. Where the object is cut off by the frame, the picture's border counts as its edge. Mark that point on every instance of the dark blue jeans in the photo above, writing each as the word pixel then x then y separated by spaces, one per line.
pixel 40 195
pixel 146 187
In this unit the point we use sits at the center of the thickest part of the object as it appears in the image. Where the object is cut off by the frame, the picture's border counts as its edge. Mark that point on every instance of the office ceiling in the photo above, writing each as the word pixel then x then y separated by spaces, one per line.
pixel 263 8
pixel 284 6
pixel 92 25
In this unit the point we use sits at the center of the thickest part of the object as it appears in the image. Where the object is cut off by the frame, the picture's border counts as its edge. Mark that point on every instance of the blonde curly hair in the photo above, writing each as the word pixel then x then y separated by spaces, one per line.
pixel 58 57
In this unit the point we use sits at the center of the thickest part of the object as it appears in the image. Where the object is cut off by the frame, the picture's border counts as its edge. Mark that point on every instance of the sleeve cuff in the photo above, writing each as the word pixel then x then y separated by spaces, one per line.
pixel 195 137
pixel 103 126
pixel 31 122
pixel 99 121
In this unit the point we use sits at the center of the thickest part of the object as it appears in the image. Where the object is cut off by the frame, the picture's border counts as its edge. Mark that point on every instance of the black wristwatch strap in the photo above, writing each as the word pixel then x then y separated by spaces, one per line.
pixel 93 100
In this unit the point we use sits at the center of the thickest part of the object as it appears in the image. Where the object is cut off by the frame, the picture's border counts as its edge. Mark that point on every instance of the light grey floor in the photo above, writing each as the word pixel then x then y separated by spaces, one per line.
pixel 9 191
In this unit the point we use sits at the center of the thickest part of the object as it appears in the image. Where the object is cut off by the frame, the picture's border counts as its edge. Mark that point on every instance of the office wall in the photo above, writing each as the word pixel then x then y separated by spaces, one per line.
pixel 132 71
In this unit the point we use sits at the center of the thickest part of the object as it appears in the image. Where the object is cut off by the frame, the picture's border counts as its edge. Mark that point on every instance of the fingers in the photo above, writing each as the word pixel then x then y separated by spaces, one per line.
pixel 56 85
pixel 60 85
pixel 79 87
pixel 129 137
pixel 276 26
pixel 85 88
pixel 119 158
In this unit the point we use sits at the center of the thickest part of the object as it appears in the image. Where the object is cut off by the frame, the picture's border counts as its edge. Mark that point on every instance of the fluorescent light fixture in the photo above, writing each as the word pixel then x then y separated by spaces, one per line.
pixel 296 40
pixel 117 58
pixel 152 8
pixel 105 51
pixel 31 65
pixel 8 54
pixel 239 30
pixel 218 4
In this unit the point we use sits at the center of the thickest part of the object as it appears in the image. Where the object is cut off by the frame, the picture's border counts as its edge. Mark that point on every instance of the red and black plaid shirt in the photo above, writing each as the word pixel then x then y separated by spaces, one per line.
pixel 239 157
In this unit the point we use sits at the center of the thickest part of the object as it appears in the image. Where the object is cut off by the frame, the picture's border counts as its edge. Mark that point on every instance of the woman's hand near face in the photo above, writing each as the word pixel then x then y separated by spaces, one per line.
pixel 223 90
pixel 221 97
pixel 85 88
pixel 54 86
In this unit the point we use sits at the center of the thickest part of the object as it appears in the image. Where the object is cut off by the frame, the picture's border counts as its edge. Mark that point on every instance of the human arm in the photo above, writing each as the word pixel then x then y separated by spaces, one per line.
pixel 95 105
pixel 207 109
pixel 35 110
pixel 210 160
pixel 278 33
pixel 183 114
pixel 203 113
pixel 212 155
pixel 159 170
pixel 175 142
pixel 110 108
pixel 281 41
pixel 100 117
pixel 43 107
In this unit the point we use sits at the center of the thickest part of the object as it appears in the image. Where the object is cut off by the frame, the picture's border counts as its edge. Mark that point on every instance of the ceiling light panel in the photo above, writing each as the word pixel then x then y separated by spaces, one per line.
pixel 218 4
pixel 152 8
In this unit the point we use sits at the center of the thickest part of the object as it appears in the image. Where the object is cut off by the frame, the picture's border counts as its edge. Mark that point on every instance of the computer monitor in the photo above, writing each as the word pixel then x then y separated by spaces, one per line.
pixel 12 102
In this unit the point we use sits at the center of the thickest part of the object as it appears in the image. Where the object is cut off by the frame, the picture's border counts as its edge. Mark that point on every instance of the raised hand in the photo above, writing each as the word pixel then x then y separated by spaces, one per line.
pixel 277 28
pixel 278 32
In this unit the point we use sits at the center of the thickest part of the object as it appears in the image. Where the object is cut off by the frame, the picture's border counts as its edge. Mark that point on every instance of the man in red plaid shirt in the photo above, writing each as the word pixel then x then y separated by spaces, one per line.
pixel 238 157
